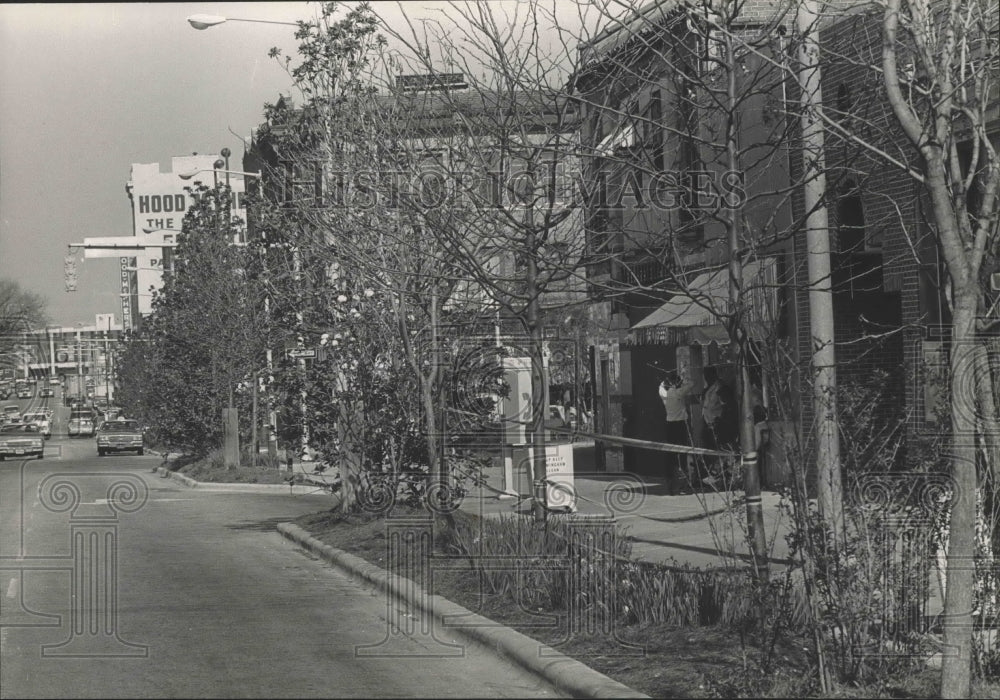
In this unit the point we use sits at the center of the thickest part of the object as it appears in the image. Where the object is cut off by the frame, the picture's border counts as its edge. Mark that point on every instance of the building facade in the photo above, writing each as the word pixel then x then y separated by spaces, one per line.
pixel 656 110
pixel 79 356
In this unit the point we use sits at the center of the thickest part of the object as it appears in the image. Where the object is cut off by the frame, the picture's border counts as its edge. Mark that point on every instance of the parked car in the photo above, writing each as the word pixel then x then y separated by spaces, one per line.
pixel 40 419
pixel 81 423
pixel 21 440
pixel 119 435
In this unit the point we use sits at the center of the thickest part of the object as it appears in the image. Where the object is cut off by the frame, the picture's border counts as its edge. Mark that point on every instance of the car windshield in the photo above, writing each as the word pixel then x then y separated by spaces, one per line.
pixel 18 428
pixel 112 426
pixel 34 416
pixel 11 409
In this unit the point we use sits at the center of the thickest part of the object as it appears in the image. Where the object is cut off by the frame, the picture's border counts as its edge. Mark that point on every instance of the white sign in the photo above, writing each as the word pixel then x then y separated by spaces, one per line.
pixel 160 201
pixel 302 352
pixel 126 287
pixel 561 494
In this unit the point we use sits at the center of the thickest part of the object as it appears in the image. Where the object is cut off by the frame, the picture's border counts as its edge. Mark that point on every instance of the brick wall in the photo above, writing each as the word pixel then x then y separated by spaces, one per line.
pixel 893 220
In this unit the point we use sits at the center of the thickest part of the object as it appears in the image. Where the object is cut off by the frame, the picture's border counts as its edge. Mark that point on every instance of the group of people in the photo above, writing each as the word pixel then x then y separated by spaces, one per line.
pixel 720 420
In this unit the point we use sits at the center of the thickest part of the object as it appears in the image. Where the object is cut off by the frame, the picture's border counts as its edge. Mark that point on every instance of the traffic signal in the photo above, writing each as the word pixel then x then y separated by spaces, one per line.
pixel 69 272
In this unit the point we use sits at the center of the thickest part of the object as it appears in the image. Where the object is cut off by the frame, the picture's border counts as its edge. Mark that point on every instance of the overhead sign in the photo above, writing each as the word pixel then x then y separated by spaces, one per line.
pixel 302 352
pixel 114 246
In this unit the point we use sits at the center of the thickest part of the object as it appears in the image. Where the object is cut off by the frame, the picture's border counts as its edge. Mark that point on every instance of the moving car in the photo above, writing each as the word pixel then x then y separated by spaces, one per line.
pixel 40 419
pixel 81 422
pixel 19 440
pixel 11 412
pixel 119 435
pixel 47 392
pixel 54 381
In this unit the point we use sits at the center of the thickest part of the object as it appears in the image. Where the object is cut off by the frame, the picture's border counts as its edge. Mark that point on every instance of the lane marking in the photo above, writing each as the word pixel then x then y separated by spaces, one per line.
pixel 104 501
pixel 12 588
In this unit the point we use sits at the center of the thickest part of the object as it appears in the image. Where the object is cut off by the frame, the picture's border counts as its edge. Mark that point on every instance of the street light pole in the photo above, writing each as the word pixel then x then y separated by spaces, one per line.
pixel 205 21
pixel 201 22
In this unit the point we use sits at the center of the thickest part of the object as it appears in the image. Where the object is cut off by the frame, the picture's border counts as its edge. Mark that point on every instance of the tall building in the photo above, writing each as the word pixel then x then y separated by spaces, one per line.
pixel 160 201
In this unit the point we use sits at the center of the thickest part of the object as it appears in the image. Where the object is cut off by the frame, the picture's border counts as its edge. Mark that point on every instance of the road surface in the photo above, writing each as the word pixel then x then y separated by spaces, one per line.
pixel 210 601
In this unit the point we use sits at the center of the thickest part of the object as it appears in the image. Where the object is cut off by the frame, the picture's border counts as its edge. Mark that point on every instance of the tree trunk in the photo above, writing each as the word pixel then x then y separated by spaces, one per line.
pixel 538 388
pixel 960 575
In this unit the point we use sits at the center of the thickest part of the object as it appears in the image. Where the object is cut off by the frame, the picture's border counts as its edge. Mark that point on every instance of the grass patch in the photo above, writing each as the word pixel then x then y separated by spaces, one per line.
pixel 212 469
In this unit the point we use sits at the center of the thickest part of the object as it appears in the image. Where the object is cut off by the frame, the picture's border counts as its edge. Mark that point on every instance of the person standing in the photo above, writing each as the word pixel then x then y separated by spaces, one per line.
pixel 712 406
pixel 674 392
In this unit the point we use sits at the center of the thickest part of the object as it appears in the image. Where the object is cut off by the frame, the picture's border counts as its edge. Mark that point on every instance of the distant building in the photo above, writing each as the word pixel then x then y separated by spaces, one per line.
pixel 61 352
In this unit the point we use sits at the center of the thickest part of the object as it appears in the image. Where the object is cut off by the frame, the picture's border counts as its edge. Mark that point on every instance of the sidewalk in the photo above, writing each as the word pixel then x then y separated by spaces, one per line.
pixel 702 530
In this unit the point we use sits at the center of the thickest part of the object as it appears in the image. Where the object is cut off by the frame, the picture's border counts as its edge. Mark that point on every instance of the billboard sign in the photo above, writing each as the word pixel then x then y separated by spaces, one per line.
pixel 160 200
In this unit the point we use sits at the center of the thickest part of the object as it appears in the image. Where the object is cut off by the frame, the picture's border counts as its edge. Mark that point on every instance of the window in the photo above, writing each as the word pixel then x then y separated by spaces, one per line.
pixel 655 138
pixel 850 220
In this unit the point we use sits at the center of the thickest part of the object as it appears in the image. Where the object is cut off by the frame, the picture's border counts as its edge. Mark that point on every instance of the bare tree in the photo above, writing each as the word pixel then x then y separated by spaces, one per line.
pixel 20 310
pixel 939 63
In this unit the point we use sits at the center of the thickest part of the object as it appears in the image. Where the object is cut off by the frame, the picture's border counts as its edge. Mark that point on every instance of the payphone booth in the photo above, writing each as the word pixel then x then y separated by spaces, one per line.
pixel 518 455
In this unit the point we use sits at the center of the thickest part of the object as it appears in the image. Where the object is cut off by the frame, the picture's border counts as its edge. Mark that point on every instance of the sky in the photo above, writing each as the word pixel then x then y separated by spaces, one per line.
pixel 90 88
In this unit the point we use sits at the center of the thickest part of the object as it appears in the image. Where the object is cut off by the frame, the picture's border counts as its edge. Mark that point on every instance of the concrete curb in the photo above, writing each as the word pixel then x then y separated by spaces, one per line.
pixel 565 673
pixel 292 489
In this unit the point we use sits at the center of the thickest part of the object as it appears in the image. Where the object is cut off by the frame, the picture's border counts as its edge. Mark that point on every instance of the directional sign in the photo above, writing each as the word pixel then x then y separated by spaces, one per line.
pixel 302 352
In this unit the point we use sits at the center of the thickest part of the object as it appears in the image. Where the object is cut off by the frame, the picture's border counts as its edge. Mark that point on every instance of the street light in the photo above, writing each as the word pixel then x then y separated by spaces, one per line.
pixel 191 173
pixel 206 21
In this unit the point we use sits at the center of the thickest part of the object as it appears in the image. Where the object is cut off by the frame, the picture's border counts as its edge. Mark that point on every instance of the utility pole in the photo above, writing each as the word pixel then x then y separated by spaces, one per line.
pixel 829 486
pixel 79 365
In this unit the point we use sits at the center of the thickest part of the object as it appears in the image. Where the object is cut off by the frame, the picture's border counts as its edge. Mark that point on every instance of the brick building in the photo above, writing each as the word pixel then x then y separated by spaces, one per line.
pixel 643 88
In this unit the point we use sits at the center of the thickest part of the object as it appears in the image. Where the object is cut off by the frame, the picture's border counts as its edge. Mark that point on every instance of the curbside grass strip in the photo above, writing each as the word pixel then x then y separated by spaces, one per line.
pixel 186 480
pixel 565 673
pixel 294 489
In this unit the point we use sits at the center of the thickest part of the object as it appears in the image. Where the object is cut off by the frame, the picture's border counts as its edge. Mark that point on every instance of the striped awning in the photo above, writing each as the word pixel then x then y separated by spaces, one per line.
pixel 696 316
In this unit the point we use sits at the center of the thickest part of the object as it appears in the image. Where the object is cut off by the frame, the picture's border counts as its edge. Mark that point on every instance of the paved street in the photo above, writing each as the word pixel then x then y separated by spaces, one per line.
pixel 211 601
